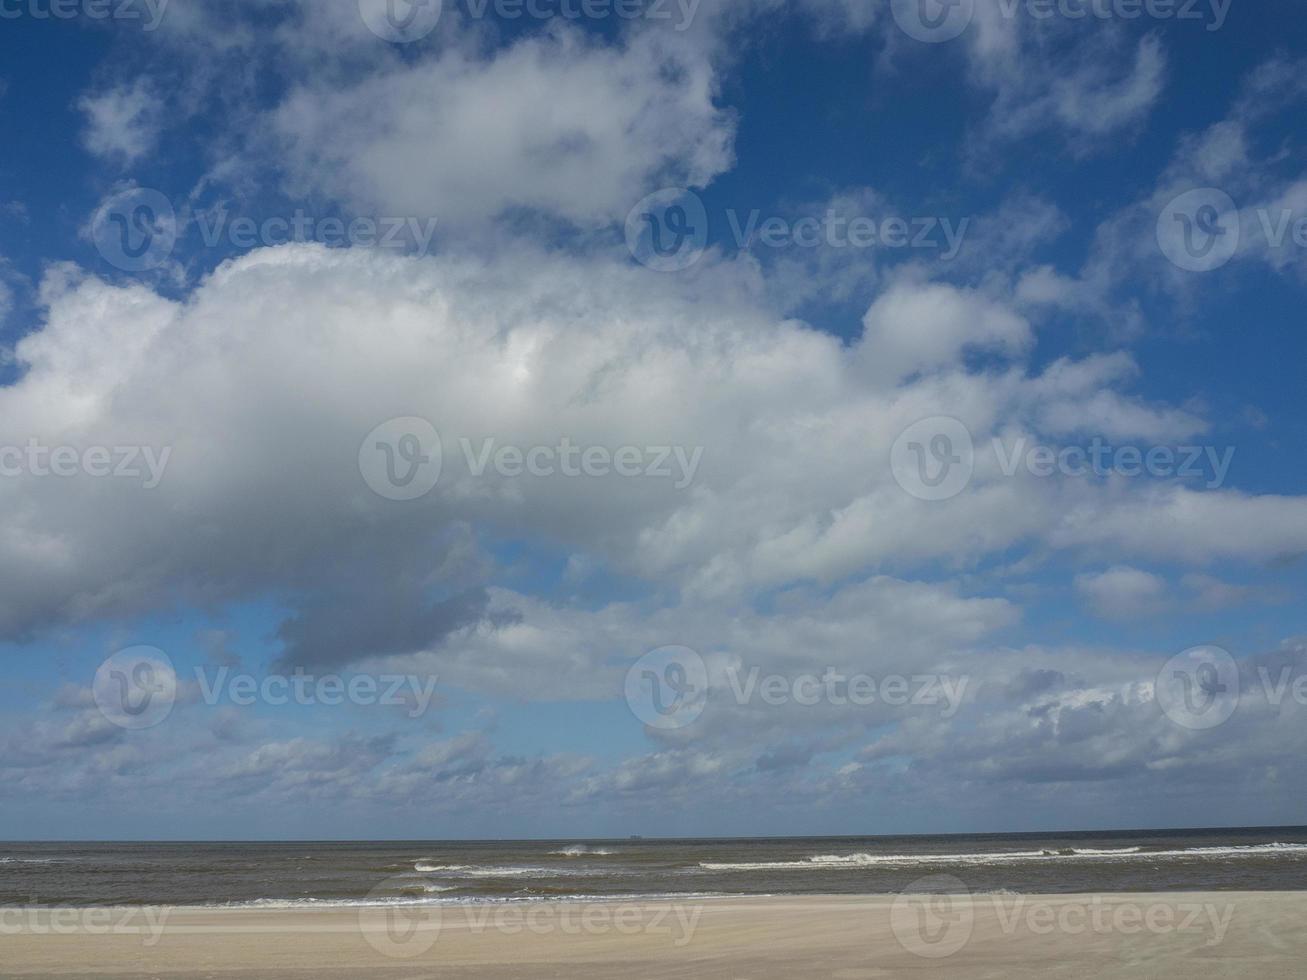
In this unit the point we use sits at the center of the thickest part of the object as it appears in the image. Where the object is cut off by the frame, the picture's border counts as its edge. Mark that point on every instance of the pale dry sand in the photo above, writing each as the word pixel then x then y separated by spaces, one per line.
pixel 1181 935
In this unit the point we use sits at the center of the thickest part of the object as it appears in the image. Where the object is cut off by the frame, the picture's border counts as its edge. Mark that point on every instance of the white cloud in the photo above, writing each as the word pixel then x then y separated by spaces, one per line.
pixel 555 123
pixel 1122 592
pixel 1089 81
pixel 525 349
pixel 1082 79
pixel 1223 156
pixel 544 651
pixel 1178 524
pixel 123 123
pixel 914 327
pixel 1211 594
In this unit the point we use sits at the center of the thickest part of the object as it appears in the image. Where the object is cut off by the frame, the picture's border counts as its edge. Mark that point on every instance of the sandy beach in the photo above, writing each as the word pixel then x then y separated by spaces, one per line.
pixel 1190 935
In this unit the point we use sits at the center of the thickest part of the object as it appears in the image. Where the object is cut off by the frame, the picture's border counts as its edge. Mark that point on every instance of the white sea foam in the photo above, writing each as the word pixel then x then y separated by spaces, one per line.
pixel 1105 850
pixel 581 850
pixel 14 860
pixel 484 871
pixel 854 861
pixel 477 871
pixel 464 900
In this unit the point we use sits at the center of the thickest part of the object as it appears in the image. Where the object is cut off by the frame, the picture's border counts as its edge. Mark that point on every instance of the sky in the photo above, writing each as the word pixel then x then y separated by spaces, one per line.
pixel 484 418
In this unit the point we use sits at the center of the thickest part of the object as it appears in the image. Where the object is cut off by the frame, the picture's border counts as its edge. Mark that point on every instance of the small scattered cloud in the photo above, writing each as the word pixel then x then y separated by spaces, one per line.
pixel 123 123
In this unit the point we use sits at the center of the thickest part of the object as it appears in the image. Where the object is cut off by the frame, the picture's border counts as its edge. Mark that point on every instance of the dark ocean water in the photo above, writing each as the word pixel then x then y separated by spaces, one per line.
pixel 454 872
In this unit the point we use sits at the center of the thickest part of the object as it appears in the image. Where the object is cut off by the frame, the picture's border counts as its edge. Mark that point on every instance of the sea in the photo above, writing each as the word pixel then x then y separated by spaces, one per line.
pixel 311 873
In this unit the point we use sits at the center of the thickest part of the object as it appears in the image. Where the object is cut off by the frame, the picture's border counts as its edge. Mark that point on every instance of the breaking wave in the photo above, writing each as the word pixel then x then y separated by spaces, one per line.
pixel 581 850
pixel 853 861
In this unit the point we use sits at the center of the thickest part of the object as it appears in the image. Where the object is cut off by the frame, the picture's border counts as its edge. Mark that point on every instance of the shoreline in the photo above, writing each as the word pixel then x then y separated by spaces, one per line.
pixel 1175 934
pixel 716 902
pixel 276 906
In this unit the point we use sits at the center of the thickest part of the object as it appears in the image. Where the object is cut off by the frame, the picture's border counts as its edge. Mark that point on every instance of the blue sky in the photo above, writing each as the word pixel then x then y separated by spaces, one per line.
pixel 780 398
